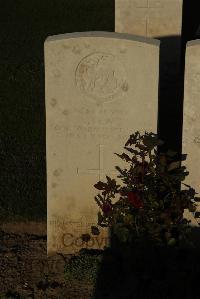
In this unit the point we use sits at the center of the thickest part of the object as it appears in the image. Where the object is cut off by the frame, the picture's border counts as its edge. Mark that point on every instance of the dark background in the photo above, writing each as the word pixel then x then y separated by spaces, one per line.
pixel 24 25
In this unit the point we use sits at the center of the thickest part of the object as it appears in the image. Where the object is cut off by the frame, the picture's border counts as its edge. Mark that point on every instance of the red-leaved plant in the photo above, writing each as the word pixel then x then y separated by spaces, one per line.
pixel 150 201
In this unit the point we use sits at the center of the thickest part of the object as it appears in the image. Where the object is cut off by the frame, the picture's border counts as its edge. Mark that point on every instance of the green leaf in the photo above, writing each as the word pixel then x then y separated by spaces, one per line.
pixel 100 185
pixel 174 165
pixel 121 232
pixel 152 169
pixel 171 153
pixel 128 219
pixel 108 179
pixel 98 201
pixel 99 197
pixel 182 176
pixel 149 142
pixel 160 142
pixel 95 231
pixel 100 218
pixel 192 208
pixel 141 147
pixel 112 184
pixel 85 237
pixel 131 150
pixel 185 221
pixel 124 157
pixel 120 170
pixel 183 157
pixel 133 138
pixel 103 225
pixel 171 242
pixel 197 215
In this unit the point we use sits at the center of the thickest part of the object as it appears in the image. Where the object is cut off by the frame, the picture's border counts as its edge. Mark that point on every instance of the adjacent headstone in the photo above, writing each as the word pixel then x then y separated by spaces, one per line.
pixel 100 88
pixel 151 18
pixel 191 117
pixel 161 19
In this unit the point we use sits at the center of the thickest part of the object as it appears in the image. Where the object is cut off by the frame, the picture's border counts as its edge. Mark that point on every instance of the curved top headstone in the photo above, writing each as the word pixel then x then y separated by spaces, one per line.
pixel 104 34
pixel 192 43
pixel 191 124
pixel 100 87
pixel 152 18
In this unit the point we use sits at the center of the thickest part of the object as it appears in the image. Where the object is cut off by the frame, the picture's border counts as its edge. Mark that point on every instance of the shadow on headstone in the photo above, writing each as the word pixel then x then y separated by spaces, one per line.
pixel 170 109
pixel 146 271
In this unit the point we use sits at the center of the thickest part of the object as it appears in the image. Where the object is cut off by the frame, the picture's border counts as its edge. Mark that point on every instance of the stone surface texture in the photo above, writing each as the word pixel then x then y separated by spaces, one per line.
pixel 161 19
pixel 100 88
pixel 191 117
pixel 151 18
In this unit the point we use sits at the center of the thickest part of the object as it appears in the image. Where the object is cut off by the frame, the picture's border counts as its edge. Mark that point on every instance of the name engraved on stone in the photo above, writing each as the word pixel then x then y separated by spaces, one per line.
pixel 100 171
pixel 90 111
pixel 87 132
pixel 69 240
pixel 197 140
pixel 100 76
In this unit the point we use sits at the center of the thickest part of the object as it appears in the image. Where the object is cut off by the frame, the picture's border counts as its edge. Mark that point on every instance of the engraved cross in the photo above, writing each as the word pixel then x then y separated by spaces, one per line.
pixel 147 7
pixel 100 171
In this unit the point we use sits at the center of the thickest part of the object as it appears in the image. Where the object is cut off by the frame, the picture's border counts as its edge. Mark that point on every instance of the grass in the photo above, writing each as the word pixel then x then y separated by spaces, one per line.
pixel 145 272
pixel 84 267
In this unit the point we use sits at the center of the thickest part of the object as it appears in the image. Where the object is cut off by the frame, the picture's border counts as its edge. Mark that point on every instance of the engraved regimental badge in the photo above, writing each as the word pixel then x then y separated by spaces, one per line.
pixel 101 77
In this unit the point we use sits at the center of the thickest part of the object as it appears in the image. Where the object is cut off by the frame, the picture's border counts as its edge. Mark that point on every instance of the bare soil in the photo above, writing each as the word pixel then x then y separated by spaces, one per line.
pixel 26 272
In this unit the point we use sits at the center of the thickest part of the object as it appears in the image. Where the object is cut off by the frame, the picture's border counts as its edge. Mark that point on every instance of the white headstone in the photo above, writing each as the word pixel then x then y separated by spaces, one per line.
pixel 100 88
pixel 191 116
pixel 160 19
pixel 151 18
